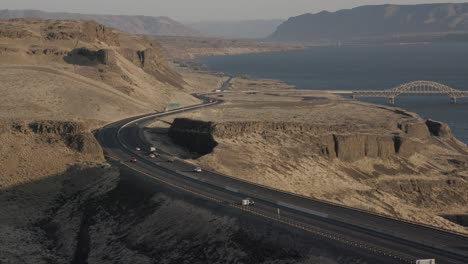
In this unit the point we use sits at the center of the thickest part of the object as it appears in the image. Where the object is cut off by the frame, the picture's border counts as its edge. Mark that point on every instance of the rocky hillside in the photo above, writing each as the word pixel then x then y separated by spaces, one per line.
pixel 158 26
pixel 375 21
pixel 66 69
pixel 371 157
pixel 32 150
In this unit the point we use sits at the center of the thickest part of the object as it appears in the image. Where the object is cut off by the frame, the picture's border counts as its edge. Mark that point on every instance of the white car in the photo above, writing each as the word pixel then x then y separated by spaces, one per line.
pixel 248 202
pixel 152 156
pixel 197 170
pixel 138 149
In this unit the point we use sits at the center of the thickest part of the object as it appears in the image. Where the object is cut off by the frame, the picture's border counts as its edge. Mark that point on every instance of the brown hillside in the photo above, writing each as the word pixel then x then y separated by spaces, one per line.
pixel 66 69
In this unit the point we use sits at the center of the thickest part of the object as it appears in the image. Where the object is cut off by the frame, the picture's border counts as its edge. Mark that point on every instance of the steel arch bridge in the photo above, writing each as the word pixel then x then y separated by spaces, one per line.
pixel 414 88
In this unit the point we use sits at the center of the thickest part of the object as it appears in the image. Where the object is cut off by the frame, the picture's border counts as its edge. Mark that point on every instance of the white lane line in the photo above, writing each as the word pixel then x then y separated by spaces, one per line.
pixel 188 175
pixel 231 189
pixel 305 210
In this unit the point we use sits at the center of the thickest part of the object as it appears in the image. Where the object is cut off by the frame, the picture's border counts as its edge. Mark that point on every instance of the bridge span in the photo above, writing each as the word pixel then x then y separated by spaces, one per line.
pixel 413 88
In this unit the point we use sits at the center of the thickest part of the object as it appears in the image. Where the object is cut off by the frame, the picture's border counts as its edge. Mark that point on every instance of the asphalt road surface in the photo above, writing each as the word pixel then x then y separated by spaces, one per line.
pixel 389 239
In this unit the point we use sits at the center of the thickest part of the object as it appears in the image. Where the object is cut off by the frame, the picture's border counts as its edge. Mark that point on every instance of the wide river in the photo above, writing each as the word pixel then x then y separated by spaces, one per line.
pixel 366 68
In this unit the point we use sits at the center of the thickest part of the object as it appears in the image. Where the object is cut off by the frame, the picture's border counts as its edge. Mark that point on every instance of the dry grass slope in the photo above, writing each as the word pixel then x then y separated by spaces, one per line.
pixel 366 156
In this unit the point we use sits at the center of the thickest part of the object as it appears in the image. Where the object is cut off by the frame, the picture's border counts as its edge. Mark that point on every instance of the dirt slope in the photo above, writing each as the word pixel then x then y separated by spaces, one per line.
pixel 83 70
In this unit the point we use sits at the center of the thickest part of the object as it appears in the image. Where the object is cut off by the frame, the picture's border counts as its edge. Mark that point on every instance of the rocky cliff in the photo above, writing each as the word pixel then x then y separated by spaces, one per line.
pixel 152 61
pixel 32 150
pixel 89 67
pixel 332 142
pixel 74 135
pixel 194 135
pixel 161 26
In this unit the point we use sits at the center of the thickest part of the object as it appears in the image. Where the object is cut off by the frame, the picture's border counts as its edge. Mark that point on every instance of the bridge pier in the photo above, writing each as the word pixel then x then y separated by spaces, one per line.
pixel 453 100
pixel 391 100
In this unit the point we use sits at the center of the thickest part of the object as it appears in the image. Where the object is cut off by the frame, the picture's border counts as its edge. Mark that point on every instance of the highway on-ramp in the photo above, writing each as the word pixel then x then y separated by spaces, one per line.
pixel 389 239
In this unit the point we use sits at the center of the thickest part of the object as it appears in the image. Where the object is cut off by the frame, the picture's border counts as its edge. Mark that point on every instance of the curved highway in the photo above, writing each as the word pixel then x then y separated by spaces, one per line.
pixel 390 240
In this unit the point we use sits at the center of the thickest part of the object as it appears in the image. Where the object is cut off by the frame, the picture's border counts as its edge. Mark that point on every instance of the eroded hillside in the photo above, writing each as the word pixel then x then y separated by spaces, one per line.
pixel 81 69
pixel 372 157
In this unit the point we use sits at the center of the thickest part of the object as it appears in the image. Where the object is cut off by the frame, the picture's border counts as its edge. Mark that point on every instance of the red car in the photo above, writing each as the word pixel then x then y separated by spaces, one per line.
pixel 133 160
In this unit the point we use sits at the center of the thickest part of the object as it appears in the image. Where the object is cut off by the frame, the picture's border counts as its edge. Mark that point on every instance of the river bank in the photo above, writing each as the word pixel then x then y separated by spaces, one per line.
pixel 365 67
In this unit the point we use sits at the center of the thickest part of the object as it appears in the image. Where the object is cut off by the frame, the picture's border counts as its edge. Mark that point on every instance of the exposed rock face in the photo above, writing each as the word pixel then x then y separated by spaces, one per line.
pixel 88 31
pixel 415 129
pixel 152 61
pixel 438 129
pixel 195 135
pixel 84 56
pixel 71 134
pixel 145 25
pixel 12 32
pixel 328 141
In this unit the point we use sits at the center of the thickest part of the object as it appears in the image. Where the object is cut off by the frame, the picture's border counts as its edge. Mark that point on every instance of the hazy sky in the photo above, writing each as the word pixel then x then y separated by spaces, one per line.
pixel 193 10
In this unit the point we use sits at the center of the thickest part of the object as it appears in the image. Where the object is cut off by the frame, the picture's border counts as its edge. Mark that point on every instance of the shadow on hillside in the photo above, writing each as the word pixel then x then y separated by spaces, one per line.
pixel 75 208
pixel 85 57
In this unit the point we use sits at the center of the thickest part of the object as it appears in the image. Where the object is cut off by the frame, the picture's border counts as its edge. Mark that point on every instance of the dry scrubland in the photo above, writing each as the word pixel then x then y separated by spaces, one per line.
pixel 75 73
pixel 82 71
pixel 372 157
pixel 60 202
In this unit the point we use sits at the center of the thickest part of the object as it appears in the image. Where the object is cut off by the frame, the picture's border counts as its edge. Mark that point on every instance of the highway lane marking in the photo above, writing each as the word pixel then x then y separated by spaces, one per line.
pixel 231 189
pixel 302 209
pixel 188 175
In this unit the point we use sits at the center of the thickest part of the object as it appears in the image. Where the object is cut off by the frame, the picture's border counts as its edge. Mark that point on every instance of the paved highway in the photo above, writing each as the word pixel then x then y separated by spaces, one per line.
pixel 390 240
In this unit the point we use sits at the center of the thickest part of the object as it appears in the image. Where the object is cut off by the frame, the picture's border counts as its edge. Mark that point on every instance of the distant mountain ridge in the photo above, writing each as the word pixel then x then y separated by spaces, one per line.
pixel 375 21
pixel 158 26
pixel 244 29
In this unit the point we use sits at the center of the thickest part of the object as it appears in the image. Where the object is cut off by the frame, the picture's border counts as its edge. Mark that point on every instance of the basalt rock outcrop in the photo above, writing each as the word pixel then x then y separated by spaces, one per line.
pixel 438 129
pixel 152 61
pixel 194 135
pixel 332 142
pixel 72 134
pixel 87 31
pixel 84 56
pixel 58 30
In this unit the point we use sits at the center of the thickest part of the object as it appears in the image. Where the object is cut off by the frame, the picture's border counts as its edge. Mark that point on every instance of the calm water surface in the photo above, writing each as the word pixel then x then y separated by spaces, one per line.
pixel 367 68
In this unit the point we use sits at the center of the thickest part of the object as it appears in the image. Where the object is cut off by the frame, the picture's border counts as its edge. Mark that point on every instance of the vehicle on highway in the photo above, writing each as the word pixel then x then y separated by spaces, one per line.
pixel 198 170
pixel 138 149
pixel 426 261
pixel 133 160
pixel 248 202
pixel 152 149
pixel 153 156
